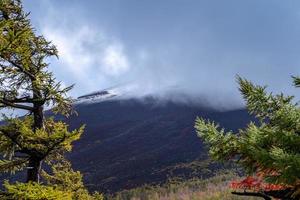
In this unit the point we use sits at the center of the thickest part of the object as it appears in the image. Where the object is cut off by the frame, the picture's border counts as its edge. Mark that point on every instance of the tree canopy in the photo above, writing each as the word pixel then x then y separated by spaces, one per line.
pixel 268 148
pixel 34 141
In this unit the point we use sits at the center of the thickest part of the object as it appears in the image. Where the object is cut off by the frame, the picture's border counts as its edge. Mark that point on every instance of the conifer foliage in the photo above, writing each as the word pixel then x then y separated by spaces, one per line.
pixel 30 142
pixel 268 149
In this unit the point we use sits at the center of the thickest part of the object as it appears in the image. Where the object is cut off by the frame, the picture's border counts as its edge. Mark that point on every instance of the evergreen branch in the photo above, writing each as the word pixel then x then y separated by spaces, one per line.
pixel 26 99
pixel 13 138
pixel 22 149
pixel 296 81
pixel 56 144
pixel 14 105
pixel 31 76
pixel 6 195
pixel 13 165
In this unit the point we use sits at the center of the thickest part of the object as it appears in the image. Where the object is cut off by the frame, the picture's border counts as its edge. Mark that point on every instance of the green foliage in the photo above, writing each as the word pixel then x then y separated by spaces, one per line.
pixel 270 146
pixel 66 179
pixel 27 84
pixel 64 183
pixel 18 141
pixel 296 81
pixel 23 66
pixel 12 166
pixel 33 191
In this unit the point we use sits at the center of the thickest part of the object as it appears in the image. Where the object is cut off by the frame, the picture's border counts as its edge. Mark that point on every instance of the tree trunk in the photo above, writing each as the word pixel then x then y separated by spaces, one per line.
pixel 34 166
pixel 38 116
pixel 33 171
pixel 38 108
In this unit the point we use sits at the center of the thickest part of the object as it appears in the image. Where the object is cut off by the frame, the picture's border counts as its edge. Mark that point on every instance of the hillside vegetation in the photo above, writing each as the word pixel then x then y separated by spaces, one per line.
pixel 214 188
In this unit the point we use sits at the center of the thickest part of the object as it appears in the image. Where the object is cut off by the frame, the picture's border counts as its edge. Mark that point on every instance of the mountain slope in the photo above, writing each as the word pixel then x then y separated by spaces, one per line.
pixel 129 142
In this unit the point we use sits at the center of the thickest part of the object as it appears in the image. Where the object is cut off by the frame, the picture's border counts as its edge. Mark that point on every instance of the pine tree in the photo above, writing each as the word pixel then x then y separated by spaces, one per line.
pixel 27 84
pixel 268 149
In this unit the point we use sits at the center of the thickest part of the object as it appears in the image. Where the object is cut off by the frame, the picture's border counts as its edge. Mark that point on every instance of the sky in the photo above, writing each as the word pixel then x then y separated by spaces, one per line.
pixel 195 46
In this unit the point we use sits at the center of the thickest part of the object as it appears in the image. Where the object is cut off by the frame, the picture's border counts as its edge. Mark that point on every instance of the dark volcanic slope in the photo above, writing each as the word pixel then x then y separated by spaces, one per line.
pixel 128 143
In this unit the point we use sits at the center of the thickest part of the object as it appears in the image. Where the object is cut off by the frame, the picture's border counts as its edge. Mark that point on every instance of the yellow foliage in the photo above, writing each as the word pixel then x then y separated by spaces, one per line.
pixel 34 191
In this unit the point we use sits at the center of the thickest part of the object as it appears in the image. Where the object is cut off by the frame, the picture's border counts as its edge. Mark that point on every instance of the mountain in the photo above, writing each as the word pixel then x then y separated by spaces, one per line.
pixel 129 142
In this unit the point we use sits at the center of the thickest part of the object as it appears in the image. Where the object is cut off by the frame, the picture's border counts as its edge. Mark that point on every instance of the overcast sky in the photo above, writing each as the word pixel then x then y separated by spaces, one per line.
pixel 197 46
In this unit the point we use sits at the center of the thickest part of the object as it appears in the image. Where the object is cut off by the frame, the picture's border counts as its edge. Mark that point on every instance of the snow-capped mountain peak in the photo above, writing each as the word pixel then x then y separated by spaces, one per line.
pixel 101 95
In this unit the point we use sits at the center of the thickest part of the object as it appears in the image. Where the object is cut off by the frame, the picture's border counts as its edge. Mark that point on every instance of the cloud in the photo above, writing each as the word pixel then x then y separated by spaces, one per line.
pixel 87 50
pixel 71 46
pixel 88 56
pixel 198 46
pixel 114 60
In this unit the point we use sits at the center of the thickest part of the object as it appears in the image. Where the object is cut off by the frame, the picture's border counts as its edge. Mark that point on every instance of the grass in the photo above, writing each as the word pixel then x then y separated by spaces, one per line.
pixel 215 188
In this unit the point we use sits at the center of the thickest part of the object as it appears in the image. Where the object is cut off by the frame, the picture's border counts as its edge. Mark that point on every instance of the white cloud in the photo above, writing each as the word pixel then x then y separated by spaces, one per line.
pixel 71 46
pixel 85 51
pixel 88 56
pixel 114 60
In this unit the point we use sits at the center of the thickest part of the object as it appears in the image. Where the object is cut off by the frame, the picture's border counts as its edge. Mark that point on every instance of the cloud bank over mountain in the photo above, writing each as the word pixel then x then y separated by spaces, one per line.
pixel 198 47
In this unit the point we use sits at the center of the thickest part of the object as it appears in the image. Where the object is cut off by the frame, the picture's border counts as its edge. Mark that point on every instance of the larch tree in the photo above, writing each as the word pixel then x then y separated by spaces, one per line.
pixel 268 149
pixel 27 84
